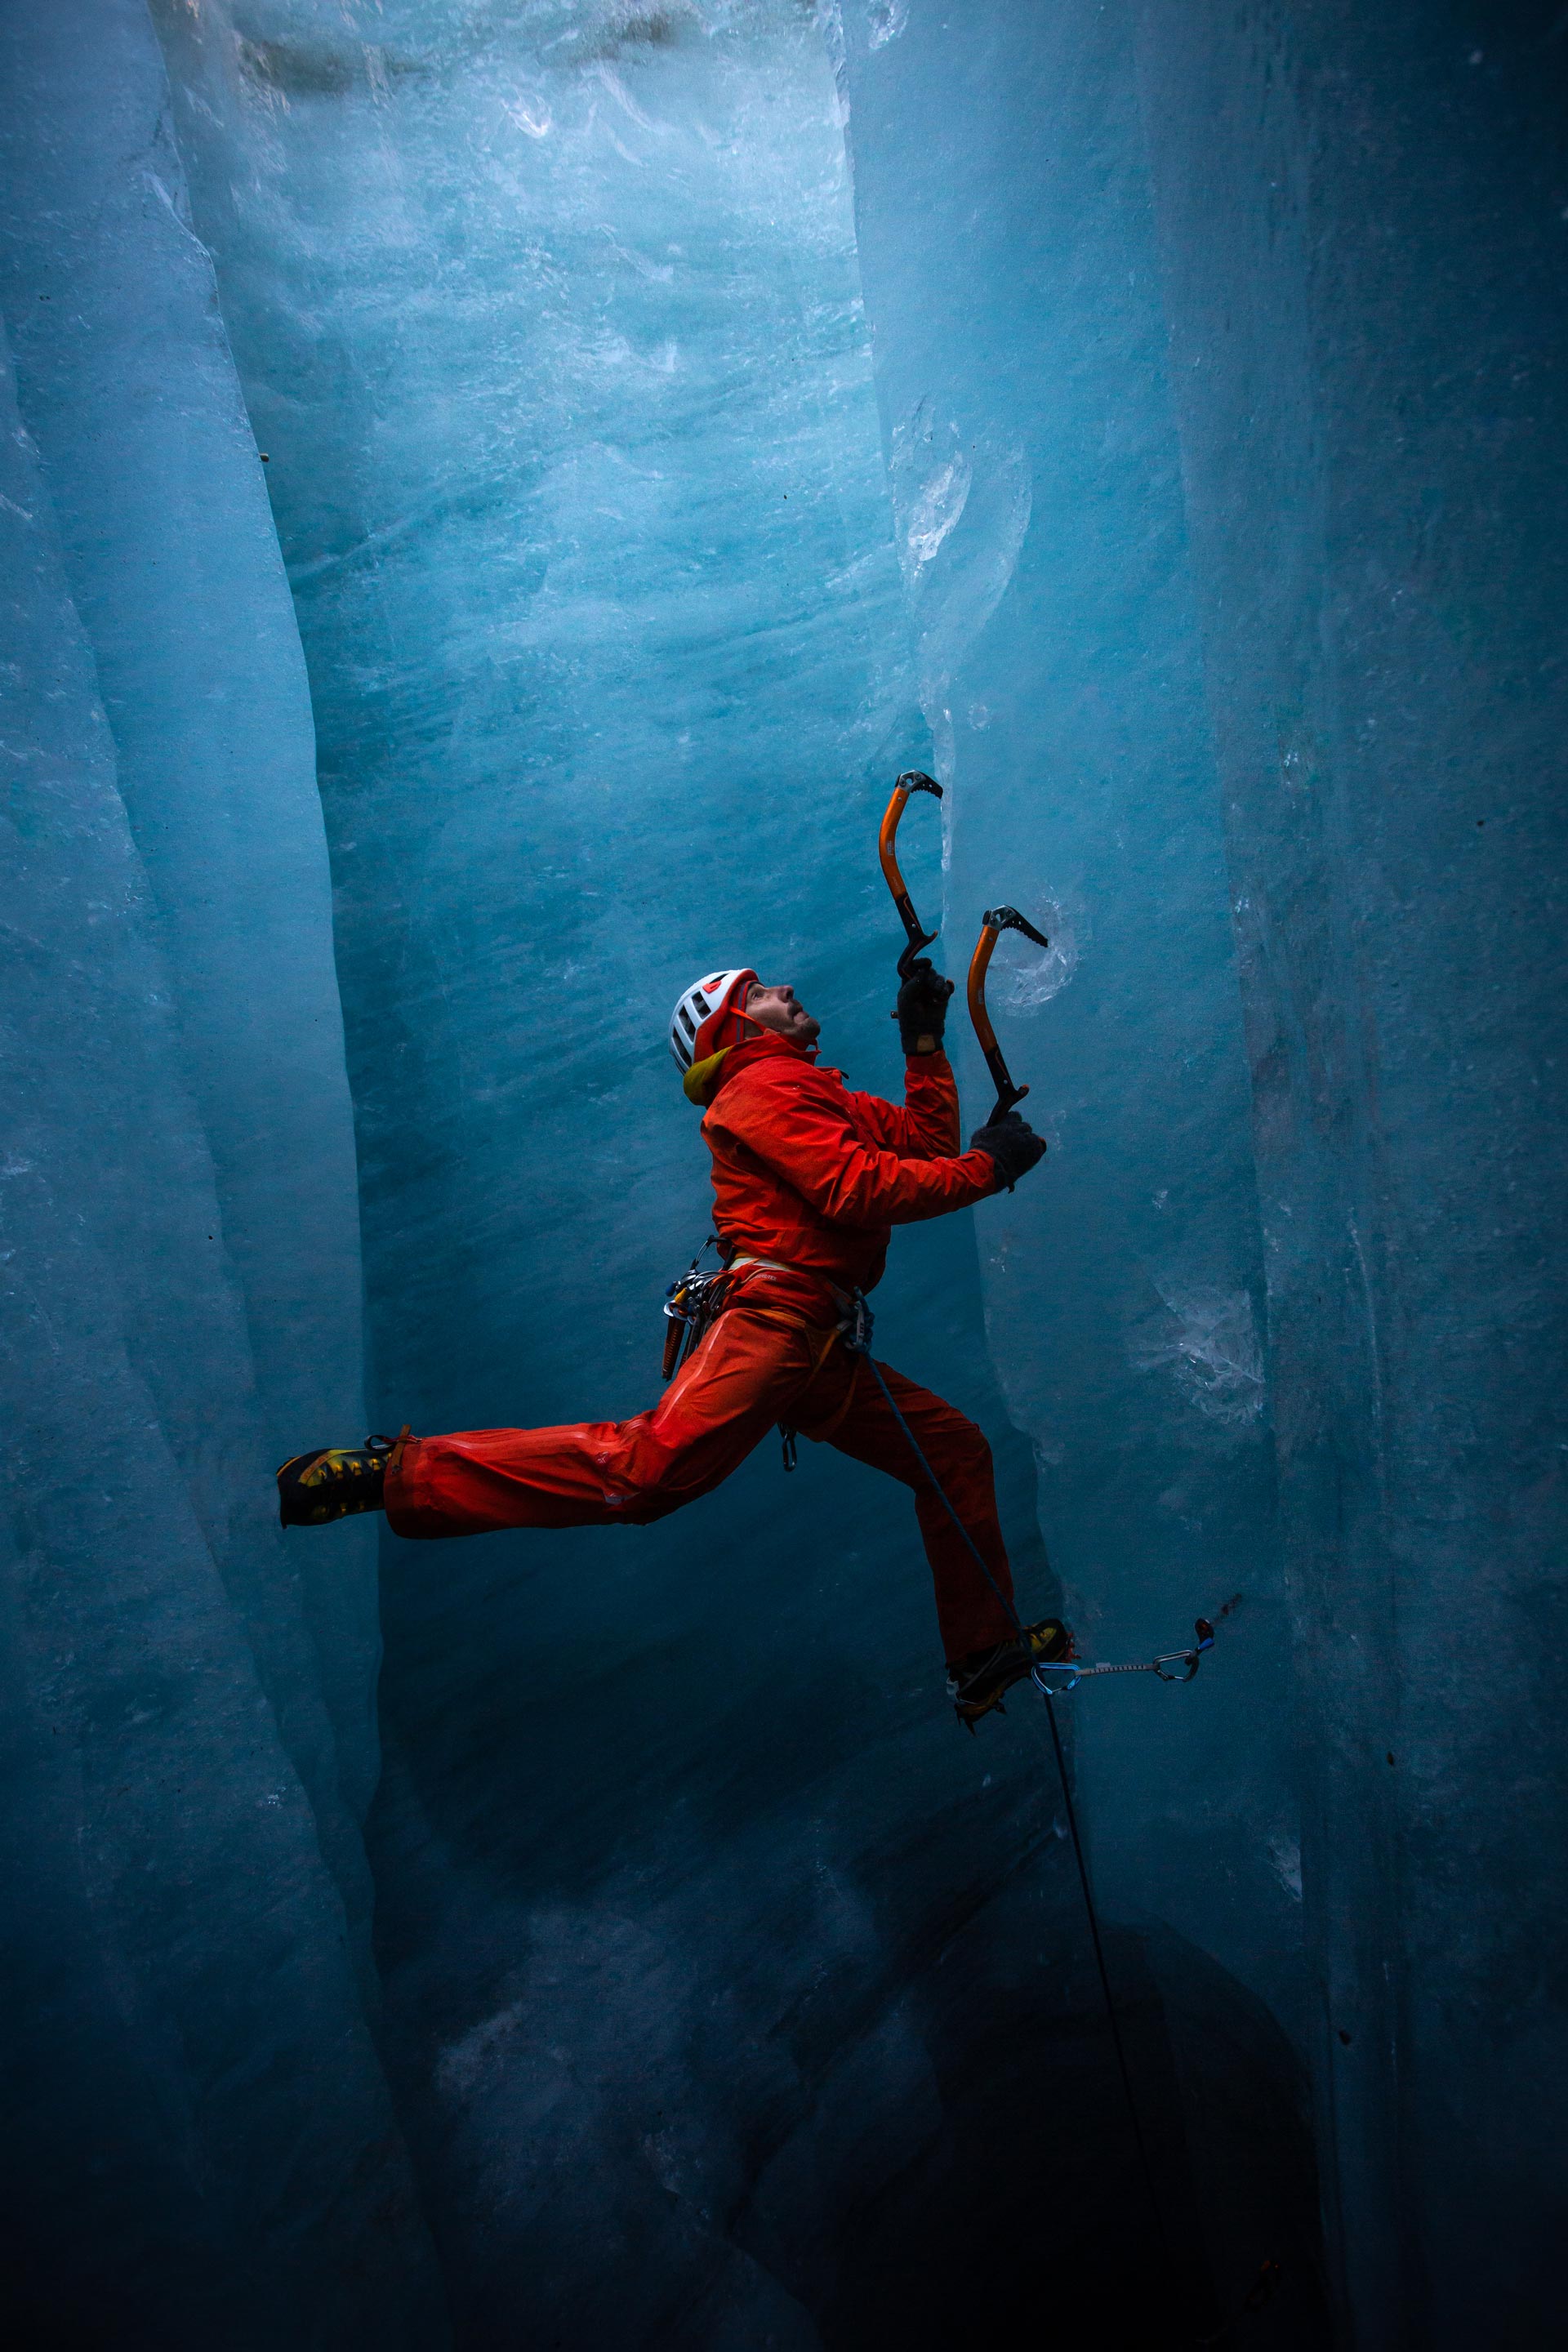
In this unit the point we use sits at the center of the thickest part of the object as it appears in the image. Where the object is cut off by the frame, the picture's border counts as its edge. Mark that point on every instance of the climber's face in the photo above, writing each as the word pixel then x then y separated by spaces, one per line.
pixel 774 1005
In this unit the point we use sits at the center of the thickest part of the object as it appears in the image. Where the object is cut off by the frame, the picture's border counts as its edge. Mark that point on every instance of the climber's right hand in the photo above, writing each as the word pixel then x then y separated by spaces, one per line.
pixel 922 1013
pixel 1013 1145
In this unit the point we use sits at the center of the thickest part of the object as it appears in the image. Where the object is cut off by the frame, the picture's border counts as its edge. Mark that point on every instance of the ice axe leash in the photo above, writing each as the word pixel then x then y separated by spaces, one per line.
pixel 1000 920
pixel 911 781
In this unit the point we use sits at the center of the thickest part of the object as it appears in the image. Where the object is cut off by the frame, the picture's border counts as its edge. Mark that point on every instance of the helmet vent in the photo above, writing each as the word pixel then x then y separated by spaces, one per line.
pixel 698 1006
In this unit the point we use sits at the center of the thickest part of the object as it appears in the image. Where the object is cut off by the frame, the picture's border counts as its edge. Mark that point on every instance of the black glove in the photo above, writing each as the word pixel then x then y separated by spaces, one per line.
pixel 922 1007
pixel 1013 1145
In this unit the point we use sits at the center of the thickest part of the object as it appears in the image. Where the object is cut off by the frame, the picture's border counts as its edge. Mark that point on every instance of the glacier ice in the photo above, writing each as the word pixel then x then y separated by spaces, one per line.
pixel 1272 299
pixel 199 2133
pixel 677 419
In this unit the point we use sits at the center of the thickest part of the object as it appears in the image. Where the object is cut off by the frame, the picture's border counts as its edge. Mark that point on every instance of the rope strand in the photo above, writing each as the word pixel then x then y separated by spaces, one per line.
pixel 862 1349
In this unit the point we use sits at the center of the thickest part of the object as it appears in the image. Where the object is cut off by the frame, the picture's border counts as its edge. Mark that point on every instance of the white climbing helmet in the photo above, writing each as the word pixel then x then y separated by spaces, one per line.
pixel 701 1004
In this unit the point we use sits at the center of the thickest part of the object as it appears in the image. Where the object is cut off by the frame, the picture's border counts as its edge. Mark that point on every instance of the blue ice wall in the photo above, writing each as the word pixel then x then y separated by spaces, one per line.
pixel 677 420
pixel 1367 270
pixel 1036 465
pixel 199 2147
pixel 1270 301
pixel 709 1960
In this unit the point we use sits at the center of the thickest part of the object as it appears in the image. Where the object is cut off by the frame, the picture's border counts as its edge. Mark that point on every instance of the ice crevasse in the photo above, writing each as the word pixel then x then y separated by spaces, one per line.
pixel 676 422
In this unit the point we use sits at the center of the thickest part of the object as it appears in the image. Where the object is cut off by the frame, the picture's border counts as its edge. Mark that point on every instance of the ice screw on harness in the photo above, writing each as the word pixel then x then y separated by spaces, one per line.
pixel 1000 920
pixel 690 1305
pixel 911 781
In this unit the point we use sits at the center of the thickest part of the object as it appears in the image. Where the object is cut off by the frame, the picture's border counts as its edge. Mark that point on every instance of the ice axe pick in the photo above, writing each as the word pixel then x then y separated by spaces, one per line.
pixel 911 781
pixel 1000 920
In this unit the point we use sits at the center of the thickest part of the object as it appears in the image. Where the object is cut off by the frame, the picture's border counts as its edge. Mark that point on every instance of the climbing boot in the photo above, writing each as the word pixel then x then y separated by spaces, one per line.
pixel 334 1482
pixel 978 1683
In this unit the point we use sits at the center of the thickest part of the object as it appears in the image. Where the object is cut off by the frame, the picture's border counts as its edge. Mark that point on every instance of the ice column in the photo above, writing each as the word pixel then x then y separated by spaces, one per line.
pixel 1036 467
pixel 698 1913
pixel 1270 299
pixel 200 2142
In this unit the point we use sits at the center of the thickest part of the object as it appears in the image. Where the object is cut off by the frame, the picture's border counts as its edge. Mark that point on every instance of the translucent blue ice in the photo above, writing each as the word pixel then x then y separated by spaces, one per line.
pixel 1266 305
pixel 198 2127
pixel 677 419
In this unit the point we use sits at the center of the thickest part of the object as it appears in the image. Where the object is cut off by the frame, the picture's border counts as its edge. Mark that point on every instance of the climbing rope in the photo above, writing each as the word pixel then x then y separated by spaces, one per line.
pixel 855 1335
pixel 857 1339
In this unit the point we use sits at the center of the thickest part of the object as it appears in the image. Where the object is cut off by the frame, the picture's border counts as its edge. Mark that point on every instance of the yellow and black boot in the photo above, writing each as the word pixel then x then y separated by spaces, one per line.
pixel 979 1683
pixel 334 1482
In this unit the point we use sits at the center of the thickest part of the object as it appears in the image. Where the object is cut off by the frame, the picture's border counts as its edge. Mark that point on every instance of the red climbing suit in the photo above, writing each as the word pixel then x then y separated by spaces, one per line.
pixel 810 1179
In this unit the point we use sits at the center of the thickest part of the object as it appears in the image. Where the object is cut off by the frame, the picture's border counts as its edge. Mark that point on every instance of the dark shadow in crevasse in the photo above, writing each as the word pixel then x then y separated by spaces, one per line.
pixel 1028 2207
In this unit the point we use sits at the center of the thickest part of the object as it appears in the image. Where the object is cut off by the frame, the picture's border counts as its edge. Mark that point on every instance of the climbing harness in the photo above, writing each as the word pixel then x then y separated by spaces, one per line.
pixel 911 781
pixel 1000 920
pixel 692 1304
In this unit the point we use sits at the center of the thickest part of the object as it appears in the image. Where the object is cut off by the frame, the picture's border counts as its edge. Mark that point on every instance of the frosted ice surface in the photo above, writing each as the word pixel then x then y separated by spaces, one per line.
pixel 886 19
pixel 650 494
pixel 1208 1338
pixel 1235 289
pixel 552 332
pixel 174 1938
pixel 1023 976
pixel 173 560
pixel 962 497
pixel 190 1735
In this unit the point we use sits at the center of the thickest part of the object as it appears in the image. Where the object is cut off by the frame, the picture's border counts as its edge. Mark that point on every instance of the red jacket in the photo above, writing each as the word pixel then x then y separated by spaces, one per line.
pixel 806 1172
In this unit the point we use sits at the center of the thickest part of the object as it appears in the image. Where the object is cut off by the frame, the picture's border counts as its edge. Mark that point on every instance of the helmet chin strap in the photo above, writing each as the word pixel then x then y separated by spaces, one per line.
pixel 741 1014
pixel 807 1044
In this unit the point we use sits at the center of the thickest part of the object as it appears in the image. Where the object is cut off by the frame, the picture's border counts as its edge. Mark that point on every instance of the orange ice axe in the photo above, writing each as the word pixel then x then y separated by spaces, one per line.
pixel 1000 920
pixel 911 781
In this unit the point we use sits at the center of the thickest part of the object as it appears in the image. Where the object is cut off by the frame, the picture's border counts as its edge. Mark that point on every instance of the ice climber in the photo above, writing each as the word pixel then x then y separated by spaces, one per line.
pixel 808 1178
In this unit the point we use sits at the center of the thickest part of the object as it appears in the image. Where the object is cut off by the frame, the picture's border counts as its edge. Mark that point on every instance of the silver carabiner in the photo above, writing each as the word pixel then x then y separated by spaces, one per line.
pixel 1067 1666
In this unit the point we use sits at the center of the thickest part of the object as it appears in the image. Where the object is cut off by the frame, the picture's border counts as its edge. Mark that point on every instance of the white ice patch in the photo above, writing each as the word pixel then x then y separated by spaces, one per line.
pixel 536 119
pixel 1024 977
pixel 1286 1856
pixel 934 514
pixel 962 503
pixel 886 19
pixel 1208 1338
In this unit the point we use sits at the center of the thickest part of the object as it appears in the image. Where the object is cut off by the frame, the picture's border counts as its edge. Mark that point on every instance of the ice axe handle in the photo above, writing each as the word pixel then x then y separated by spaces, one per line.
pixel 911 781
pixel 1000 920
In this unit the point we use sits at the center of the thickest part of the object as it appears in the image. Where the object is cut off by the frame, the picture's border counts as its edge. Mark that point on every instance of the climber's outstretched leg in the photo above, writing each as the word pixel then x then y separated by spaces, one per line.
pixel 748 1374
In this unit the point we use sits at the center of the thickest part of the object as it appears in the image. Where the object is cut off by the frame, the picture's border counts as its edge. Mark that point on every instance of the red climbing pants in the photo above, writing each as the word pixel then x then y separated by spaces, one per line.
pixel 773 1356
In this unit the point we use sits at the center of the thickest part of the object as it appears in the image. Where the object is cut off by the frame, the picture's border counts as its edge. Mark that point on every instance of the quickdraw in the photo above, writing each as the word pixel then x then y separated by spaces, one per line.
pixel 855 1334
pixel 1075 1673
pixel 1000 920
pixel 911 781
